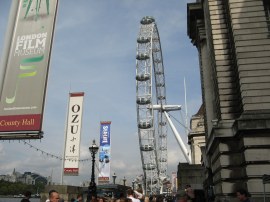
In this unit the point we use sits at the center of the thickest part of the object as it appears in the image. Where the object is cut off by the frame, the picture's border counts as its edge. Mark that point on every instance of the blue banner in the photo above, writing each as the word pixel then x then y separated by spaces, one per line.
pixel 104 152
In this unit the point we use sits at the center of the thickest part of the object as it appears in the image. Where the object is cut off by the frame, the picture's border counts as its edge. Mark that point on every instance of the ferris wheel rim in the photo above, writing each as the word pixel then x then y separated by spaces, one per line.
pixel 153 53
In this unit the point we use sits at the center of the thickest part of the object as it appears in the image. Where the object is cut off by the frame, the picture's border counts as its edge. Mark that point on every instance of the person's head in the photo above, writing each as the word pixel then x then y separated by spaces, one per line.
pixel 181 196
pixel 242 194
pixel 79 197
pixel 121 195
pixel 93 198
pixel 130 192
pixel 128 200
pixel 101 199
pixel 54 196
pixel 27 194
pixel 146 199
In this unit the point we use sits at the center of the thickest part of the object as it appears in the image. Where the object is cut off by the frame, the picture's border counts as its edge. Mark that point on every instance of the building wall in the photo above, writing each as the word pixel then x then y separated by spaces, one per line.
pixel 252 48
pixel 233 41
pixel 196 136
pixel 190 174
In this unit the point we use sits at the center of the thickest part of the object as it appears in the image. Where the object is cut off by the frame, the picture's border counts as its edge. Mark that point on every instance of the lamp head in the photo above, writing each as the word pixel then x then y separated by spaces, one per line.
pixel 93 148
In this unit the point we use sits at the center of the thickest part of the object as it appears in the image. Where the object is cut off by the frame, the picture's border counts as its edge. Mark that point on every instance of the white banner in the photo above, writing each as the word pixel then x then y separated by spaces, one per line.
pixel 73 134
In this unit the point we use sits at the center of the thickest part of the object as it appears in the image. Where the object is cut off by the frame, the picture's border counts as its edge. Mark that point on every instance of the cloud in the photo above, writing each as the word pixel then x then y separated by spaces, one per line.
pixel 175 156
pixel 94 51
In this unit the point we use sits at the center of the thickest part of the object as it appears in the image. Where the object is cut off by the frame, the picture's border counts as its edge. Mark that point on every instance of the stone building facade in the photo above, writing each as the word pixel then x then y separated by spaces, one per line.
pixel 194 174
pixel 196 137
pixel 233 41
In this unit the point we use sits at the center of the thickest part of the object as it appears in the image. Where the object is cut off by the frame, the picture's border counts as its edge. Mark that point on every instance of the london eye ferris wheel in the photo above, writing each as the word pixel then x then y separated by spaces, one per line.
pixel 152 108
pixel 150 90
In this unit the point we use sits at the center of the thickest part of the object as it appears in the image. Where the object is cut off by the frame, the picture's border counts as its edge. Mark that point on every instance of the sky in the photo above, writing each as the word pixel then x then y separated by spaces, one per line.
pixel 94 51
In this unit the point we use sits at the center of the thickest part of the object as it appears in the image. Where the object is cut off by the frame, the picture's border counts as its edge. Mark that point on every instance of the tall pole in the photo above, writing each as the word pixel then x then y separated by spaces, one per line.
pixel 186 119
pixel 92 189
pixel 93 171
pixel 64 148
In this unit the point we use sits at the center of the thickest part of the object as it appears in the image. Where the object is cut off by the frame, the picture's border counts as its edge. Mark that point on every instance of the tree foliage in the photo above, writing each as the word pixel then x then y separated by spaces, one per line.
pixel 16 188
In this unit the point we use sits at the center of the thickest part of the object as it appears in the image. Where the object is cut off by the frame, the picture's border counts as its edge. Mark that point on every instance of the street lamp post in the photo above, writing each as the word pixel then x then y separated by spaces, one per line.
pixel 92 189
pixel 124 180
pixel 114 177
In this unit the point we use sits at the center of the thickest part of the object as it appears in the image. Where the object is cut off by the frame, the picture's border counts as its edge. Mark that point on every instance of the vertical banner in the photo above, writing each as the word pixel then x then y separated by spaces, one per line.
pixel 104 152
pixel 73 134
pixel 25 67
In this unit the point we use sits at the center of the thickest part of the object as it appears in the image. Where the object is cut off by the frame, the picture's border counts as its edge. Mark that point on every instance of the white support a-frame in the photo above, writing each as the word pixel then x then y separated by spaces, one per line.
pixel 165 109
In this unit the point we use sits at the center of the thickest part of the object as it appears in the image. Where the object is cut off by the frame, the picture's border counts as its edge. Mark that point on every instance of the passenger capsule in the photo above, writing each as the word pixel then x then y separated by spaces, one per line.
pixel 147 20
pixel 145 125
pixel 149 166
pixel 143 100
pixel 147 147
pixel 143 40
pixel 142 77
pixel 162 135
pixel 142 56
pixel 162 123
pixel 151 181
pixel 163 148
pixel 163 160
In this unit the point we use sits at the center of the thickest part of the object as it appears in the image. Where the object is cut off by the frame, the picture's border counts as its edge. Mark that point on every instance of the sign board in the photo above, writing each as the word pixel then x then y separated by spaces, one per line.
pixel 73 134
pixel 25 69
pixel 104 152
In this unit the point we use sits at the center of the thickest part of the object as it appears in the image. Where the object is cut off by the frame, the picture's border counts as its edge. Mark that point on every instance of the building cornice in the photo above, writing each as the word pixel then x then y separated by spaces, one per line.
pixel 194 13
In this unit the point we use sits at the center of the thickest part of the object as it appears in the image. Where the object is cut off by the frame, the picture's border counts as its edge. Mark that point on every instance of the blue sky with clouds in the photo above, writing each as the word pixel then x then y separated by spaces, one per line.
pixel 94 51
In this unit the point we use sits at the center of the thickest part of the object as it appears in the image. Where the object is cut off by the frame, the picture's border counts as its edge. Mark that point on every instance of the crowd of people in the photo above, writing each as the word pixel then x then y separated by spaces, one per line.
pixel 186 195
